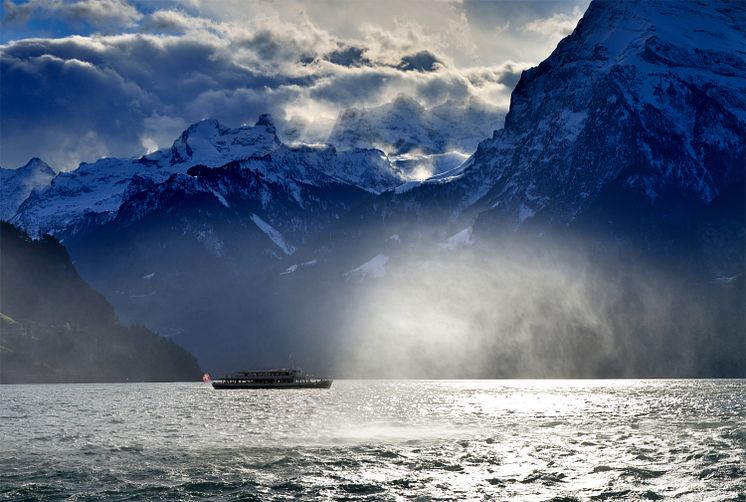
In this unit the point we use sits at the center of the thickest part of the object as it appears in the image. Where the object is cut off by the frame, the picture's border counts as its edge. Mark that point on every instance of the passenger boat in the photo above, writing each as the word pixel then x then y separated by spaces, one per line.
pixel 282 378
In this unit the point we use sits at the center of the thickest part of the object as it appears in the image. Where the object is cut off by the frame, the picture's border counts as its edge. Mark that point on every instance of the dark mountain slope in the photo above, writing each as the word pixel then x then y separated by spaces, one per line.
pixel 55 328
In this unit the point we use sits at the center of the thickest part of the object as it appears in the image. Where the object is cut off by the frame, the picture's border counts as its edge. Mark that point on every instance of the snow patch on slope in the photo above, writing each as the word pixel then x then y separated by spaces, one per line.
pixel 292 268
pixel 220 198
pixel 458 240
pixel 374 268
pixel 273 234
pixel 525 212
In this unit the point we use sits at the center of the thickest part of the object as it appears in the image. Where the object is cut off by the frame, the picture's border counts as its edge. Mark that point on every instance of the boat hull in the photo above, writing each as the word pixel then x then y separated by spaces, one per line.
pixel 317 384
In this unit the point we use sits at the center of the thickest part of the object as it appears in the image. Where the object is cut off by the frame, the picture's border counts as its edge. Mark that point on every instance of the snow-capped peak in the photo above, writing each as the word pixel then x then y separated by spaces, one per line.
pixel 209 143
pixel 17 184
pixel 648 94
pixel 100 187
pixel 38 166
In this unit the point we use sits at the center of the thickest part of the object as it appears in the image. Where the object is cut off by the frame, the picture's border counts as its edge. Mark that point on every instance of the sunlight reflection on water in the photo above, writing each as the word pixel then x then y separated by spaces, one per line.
pixel 378 440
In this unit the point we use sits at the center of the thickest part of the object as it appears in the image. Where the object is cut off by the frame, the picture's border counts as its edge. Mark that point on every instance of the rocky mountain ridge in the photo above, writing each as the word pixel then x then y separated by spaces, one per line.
pixel 625 144
pixel 647 93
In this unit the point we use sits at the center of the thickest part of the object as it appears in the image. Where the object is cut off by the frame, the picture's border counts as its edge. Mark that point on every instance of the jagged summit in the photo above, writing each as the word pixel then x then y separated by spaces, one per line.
pixel 34 165
pixel 622 32
pixel 101 187
pixel 208 142
pixel 267 121
pixel 17 184
pixel 646 95
pixel 404 103
pixel 37 165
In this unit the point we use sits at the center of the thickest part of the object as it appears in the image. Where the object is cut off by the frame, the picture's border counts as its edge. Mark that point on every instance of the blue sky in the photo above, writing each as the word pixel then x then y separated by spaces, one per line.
pixel 82 79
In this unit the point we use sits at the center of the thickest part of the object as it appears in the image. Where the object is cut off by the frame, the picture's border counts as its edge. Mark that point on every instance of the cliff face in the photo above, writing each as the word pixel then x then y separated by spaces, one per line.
pixel 647 95
pixel 55 328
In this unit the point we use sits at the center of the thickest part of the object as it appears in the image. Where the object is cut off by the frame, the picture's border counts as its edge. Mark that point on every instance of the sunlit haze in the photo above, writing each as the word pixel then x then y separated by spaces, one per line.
pixel 373 250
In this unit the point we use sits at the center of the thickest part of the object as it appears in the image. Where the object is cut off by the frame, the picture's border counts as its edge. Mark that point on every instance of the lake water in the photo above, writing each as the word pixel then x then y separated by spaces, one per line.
pixel 376 440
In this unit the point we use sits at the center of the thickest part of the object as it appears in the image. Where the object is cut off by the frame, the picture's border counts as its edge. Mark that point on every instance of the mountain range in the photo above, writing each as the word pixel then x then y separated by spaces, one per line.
pixel 609 211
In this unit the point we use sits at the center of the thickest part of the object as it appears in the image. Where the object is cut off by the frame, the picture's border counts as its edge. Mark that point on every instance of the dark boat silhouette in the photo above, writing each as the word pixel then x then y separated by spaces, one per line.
pixel 283 378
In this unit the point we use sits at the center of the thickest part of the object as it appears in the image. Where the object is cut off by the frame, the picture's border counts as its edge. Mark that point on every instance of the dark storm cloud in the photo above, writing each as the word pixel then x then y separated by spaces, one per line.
pixel 363 86
pixel 422 61
pixel 105 89
pixel 79 97
pixel 348 56
pixel 268 47
pixel 42 100
pixel 172 67
pixel 97 13
pixel 86 97
pixel 438 90
pixel 510 79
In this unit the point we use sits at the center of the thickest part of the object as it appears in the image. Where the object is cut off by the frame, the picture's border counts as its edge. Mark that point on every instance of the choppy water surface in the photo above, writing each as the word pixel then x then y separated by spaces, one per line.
pixel 377 440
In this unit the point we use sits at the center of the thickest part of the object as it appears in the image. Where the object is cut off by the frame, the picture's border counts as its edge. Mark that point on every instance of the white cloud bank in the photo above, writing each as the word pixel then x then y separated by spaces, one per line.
pixel 137 75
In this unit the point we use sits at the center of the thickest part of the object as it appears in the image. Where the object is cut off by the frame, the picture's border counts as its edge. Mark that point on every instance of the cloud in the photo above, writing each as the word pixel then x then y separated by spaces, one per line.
pixel 74 97
pixel 421 61
pixel 268 46
pixel 158 130
pixel 348 56
pixel 175 21
pixel 57 90
pixel 365 86
pixel 68 109
pixel 123 87
pixel 555 27
pixel 500 27
pixel 510 79
pixel 97 13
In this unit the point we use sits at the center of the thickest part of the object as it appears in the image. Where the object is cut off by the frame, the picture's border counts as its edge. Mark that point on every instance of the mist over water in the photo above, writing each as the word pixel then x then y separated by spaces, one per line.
pixel 512 310
pixel 444 304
